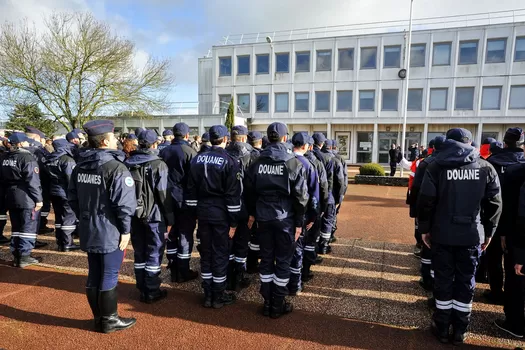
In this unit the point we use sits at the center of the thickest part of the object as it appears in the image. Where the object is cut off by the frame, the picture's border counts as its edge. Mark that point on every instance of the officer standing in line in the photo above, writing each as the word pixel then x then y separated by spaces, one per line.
pixel 205 144
pixel 313 234
pixel 168 137
pixel 252 261
pixel 102 194
pixel 59 167
pixel 154 213
pixel 20 186
pixel 344 186
pixel 276 196
pixel 512 153
pixel 3 209
pixel 40 153
pixel 301 142
pixel 178 157
pixel 460 191
pixel 74 141
pixel 241 152
pixel 214 192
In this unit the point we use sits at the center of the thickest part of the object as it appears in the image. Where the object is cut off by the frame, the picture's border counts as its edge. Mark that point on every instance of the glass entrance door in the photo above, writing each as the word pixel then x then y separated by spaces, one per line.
pixel 386 139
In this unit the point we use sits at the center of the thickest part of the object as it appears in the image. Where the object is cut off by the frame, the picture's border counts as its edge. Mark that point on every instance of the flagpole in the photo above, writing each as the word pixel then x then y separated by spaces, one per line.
pixel 405 87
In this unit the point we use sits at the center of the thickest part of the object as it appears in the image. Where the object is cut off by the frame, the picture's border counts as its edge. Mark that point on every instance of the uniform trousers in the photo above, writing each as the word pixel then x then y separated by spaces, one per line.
pixel 24 225
pixel 148 246
pixel 104 269
pixel 215 247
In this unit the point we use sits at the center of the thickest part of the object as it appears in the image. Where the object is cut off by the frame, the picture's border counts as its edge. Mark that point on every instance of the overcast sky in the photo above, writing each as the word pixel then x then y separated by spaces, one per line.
pixel 184 30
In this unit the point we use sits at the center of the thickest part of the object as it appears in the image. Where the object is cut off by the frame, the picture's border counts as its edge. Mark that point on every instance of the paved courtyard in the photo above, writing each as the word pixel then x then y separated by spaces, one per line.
pixel 365 295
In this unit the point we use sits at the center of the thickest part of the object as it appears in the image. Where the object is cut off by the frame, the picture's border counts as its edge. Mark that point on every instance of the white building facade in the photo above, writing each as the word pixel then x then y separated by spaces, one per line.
pixel 348 86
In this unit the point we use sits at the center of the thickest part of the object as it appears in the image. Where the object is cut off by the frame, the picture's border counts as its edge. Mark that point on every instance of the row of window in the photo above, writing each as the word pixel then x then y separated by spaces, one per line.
pixel 490 100
pixel 441 56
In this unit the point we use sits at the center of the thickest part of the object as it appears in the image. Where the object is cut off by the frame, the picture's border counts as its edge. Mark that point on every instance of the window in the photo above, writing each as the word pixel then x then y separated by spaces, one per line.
pixel 465 98
pixel 322 101
pixel 224 102
pixel 324 60
pixel 262 102
pixel 517 97
pixel 438 99
pixel 496 50
pixel 392 57
pixel 415 100
pixel 390 100
pixel 243 100
pixel 302 63
pixel 283 62
pixel 344 101
pixel 468 52
pixel 520 49
pixel 368 57
pixel 243 65
pixel 367 100
pixel 417 55
pixel 346 59
pixel 441 54
pixel 281 102
pixel 302 101
pixel 225 66
pixel 263 64
pixel 491 97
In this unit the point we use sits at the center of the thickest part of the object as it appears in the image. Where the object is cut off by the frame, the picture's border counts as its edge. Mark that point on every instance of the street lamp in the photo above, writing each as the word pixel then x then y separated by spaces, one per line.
pixel 405 87
pixel 269 40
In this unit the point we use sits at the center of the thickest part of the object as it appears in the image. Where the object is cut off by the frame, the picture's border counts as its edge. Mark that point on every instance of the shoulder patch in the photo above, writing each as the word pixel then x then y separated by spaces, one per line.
pixel 37 171
pixel 129 181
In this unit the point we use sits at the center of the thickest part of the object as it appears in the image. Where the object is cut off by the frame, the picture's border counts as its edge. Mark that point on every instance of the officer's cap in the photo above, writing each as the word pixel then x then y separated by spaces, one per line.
pixel 148 136
pixel 71 135
pixel 438 141
pixel 240 130
pixel 138 131
pixel 334 143
pixel 431 144
pixel 167 133
pixel 277 128
pixel 205 137
pixel 513 135
pixel 300 139
pixel 132 137
pixel 78 131
pixel 181 129
pixel 495 147
pixel 319 138
pixel 329 143
pixel 18 137
pixel 33 130
pixel 254 136
pixel 459 135
pixel 99 127
pixel 60 143
pixel 488 141
pixel 217 132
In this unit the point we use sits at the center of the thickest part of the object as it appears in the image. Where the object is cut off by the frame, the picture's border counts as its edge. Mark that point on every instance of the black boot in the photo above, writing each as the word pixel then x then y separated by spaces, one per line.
pixel 252 264
pixel 68 248
pixel 92 297
pixel 241 281
pixel 184 277
pixel 441 334
pixel 207 299
pixel 306 274
pixel 318 260
pixel 40 244
pixel 110 320
pixel 4 239
pixel 221 299
pixel 231 280
pixel 280 307
pixel 152 297
pixel 266 308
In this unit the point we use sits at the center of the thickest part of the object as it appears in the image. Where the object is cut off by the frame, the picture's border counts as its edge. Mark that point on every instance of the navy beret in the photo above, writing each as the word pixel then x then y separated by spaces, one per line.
pixel 61 143
pixel 18 137
pixel 78 131
pixel 71 135
pixel 300 139
pixel 488 141
pixel 181 129
pixel 99 127
pixel 132 137
pixel 513 135
pixel 438 141
pixel 329 143
pixel 319 137
pixel 138 131
pixel 33 130
pixel 218 132
pixel 149 136
pixel 167 133
pixel 459 135
pixel 254 136
pixel 277 128
pixel 240 130
pixel 205 137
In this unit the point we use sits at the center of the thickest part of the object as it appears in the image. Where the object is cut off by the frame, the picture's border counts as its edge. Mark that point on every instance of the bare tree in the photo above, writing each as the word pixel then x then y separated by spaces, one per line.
pixel 76 69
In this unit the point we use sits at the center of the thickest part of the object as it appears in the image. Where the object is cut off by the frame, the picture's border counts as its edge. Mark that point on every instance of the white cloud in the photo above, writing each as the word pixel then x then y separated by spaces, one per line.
pixel 164 38
pixel 140 59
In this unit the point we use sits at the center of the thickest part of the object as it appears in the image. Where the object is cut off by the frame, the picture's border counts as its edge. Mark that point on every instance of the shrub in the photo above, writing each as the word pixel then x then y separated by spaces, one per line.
pixel 372 169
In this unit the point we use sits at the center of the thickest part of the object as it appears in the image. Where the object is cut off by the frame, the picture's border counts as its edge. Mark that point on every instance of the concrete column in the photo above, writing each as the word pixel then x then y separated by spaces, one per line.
pixel 478 134
pixel 329 131
pixel 375 144
pixel 161 125
pixel 424 140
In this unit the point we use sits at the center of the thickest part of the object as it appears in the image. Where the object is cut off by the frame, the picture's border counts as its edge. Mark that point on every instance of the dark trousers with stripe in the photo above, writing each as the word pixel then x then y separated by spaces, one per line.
pixel 24 224
pixel 296 265
pixel 180 241
pixel 310 241
pixel 427 273
pixel 104 269
pixel 276 239
pixel 148 246
pixel 327 224
pixel 454 284
pixel 65 221
pixel 215 247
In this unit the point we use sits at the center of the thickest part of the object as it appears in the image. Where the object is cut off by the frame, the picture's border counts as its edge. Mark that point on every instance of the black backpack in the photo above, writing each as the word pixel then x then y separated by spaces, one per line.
pixel 144 189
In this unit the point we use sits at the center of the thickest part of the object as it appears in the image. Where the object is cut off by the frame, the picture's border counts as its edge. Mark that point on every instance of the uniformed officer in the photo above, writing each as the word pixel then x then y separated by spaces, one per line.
pixel 460 191
pixel 59 167
pixel 344 185
pixel 214 192
pixel 102 194
pixel 36 146
pixel 255 140
pixel 3 209
pixel 252 261
pixel 276 196
pixel 205 144
pixel 265 142
pixel 20 186
pixel 154 212
pixel 301 142
pixel 512 153
pixel 168 137
pixel 241 152
pixel 74 141
pixel 178 157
